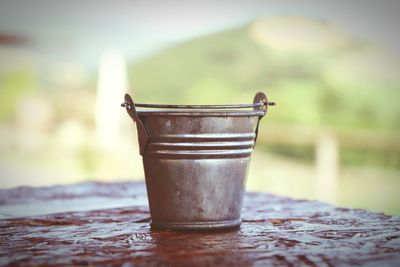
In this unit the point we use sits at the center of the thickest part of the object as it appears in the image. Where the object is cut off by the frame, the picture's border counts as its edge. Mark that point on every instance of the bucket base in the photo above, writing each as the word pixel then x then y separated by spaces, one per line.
pixel 196 225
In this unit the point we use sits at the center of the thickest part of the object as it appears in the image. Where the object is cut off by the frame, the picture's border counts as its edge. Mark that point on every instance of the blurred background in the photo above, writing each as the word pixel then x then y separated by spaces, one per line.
pixel 332 67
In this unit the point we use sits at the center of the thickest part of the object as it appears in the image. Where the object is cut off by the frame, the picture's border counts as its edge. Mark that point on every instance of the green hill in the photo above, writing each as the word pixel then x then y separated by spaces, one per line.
pixel 309 84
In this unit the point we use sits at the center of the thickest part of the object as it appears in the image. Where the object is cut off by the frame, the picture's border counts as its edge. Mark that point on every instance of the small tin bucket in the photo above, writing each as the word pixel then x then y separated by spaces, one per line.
pixel 196 159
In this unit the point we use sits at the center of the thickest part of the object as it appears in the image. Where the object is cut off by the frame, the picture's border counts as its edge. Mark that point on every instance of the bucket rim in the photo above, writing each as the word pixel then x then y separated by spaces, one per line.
pixel 202 113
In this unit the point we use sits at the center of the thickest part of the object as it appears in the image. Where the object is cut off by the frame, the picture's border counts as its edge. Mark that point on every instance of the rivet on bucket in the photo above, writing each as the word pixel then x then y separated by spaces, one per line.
pixel 196 159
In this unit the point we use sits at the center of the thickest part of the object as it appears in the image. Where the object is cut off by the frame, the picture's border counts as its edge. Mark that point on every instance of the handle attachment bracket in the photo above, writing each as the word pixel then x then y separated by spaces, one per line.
pixel 141 129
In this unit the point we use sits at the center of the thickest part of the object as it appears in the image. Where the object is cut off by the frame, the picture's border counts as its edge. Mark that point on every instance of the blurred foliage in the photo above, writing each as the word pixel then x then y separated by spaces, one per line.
pixel 231 66
pixel 303 152
pixel 14 85
pixel 386 159
pixel 348 156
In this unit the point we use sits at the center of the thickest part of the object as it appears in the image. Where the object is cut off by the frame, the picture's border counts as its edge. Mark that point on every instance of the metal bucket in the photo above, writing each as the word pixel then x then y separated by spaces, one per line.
pixel 196 159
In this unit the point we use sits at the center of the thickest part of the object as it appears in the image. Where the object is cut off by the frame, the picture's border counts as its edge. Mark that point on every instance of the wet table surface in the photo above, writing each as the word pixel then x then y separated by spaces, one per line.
pixel 108 224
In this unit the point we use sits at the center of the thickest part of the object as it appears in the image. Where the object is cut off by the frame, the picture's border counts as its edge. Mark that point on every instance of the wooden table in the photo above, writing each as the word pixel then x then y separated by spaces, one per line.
pixel 275 231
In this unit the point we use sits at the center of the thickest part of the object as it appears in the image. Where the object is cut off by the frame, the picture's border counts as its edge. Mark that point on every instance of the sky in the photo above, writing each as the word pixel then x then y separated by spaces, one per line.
pixel 84 29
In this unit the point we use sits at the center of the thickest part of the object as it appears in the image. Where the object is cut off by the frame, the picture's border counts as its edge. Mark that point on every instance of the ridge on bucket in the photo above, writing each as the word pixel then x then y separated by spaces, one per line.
pixel 196 159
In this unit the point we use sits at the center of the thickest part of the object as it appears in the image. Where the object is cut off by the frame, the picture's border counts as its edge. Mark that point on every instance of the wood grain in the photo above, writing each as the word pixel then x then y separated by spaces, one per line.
pixel 275 231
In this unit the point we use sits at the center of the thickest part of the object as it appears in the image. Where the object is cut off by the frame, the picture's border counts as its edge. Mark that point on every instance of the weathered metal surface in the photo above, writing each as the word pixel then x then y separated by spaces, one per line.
pixel 196 161
pixel 276 231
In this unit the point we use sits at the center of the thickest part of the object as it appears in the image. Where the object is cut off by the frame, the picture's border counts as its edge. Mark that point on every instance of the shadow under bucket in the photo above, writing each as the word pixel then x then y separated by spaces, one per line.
pixel 196 159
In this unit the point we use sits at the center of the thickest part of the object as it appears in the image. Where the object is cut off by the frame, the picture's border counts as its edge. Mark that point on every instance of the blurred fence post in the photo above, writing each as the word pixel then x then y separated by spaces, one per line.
pixel 327 166
pixel 111 87
pixel 116 143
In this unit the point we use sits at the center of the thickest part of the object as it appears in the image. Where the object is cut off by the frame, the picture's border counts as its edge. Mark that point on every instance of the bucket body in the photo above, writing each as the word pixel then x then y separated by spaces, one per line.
pixel 196 164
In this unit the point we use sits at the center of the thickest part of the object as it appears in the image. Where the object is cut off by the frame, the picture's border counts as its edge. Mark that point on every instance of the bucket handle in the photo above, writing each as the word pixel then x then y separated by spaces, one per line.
pixel 141 129
pixel 261 98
